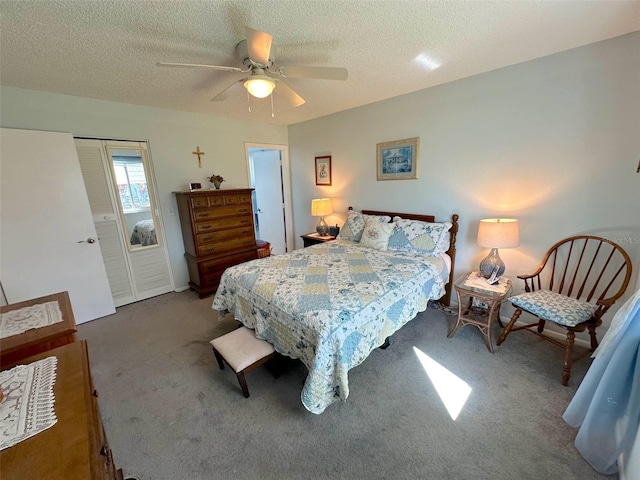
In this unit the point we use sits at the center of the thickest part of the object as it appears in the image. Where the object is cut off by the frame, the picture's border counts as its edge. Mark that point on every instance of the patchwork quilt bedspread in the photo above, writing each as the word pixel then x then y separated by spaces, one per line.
pixel 330 305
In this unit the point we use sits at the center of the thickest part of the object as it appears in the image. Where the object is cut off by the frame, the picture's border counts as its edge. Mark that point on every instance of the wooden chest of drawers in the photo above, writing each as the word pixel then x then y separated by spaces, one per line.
pixel 76 446
pixel 217 230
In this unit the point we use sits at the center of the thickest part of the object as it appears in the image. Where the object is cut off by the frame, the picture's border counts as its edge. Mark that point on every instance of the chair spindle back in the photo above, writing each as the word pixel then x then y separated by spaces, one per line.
pixel 584 267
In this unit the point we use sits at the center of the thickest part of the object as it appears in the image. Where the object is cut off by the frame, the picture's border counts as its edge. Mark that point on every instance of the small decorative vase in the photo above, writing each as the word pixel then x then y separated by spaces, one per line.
pixel 217 185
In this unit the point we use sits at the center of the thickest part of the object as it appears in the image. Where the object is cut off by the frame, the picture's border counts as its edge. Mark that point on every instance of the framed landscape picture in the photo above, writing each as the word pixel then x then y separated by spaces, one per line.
pixel 323 170
pixel 398 160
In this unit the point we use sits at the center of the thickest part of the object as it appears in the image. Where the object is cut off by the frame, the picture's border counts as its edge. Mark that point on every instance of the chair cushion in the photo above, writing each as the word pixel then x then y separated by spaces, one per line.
pixel 552 306
pixel 240 348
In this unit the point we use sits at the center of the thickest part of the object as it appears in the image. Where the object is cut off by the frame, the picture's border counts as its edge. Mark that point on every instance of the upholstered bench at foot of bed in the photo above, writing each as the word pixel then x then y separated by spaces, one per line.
pixel 243 352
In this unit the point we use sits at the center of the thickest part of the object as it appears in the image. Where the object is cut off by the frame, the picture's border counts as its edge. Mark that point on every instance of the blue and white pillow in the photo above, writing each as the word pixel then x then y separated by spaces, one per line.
pixel 354 226
pixel 552 306
pixel 423 238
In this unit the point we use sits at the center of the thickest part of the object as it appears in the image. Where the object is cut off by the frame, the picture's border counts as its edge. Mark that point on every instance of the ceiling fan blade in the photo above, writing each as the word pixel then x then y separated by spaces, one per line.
pixel 325 73
pixel 259 46
pixel 222 95
pixel 285 91
pixel 196 65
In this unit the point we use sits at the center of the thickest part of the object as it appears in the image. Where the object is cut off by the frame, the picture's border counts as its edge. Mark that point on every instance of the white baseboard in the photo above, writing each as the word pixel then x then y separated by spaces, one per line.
pixel 181 289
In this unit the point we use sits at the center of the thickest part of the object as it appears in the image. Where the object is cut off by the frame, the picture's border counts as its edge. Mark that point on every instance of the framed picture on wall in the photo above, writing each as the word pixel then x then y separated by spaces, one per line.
pixel 398 160
pixel 323 170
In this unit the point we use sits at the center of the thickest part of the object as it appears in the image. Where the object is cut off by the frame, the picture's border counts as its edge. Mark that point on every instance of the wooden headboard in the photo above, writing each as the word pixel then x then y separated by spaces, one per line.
pixel 453 231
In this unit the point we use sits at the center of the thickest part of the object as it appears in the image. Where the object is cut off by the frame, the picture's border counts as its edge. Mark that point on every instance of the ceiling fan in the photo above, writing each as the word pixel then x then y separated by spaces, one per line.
pixel 257 54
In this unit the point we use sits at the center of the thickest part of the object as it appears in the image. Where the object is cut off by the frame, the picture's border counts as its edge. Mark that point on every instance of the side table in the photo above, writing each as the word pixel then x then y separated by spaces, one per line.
pixel 470 313
pixel 313 239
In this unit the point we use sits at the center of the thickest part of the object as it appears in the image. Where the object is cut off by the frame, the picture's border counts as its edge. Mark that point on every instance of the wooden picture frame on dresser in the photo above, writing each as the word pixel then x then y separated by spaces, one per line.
pixel 218 232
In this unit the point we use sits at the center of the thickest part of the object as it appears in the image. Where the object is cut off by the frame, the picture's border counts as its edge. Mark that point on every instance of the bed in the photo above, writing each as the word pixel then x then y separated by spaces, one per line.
pixel 331 304
pixel 144 233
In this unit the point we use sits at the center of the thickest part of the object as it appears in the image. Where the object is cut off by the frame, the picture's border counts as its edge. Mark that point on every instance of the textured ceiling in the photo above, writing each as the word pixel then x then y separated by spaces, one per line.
pixel 108 49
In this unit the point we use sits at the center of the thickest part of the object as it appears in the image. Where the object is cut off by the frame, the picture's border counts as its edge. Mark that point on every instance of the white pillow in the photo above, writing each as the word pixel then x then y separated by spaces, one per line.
pixel 376 234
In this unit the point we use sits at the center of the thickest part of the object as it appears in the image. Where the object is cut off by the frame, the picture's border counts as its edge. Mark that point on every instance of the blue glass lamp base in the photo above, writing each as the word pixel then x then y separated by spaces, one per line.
pixel 490 262
pixel 322 228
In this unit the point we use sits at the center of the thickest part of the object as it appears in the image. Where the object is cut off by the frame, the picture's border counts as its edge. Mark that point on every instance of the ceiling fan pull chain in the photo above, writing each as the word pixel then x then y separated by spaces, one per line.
pixel 249 101
pixel 272 115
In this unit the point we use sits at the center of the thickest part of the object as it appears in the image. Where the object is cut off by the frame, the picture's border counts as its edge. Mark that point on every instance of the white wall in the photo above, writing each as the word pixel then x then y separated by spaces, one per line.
pixel 554 142
pixel 172 137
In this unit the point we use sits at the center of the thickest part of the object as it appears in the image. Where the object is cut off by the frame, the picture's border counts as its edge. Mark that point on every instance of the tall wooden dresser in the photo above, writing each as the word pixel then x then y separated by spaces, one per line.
pixel 217 229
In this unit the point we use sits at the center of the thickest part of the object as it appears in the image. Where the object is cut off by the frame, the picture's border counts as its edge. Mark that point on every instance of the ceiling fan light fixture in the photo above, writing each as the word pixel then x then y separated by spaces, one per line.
pixel 259 86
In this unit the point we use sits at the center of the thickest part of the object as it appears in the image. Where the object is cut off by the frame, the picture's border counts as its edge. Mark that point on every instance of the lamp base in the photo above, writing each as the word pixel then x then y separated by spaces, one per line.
pixel 322 228
pixel 490 262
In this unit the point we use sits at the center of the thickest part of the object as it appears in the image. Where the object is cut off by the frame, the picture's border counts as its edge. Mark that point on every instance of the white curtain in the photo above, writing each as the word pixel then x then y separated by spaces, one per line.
pixel 606 406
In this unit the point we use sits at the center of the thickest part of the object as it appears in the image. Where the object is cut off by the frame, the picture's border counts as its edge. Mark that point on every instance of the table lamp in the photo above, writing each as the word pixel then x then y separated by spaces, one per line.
pixel 319 208
pixel 496 233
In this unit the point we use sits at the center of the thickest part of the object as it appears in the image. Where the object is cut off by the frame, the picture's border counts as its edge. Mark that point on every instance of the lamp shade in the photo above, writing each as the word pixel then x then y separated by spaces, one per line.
pixel 498 233
pixel 259 86
pixel 321 207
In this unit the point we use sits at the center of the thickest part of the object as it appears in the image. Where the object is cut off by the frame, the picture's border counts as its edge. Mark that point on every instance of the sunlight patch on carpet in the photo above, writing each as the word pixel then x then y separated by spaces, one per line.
pixel 452 389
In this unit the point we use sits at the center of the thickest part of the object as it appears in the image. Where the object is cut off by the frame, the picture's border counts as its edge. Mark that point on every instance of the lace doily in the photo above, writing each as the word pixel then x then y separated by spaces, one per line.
pixel 35 316
pixel 27 407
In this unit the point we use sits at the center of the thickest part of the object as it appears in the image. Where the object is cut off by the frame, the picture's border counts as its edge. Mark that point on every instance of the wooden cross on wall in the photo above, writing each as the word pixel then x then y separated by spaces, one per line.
pixel 199 154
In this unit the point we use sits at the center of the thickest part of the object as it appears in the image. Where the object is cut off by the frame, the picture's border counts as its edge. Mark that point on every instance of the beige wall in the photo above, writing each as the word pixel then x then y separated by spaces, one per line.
pixel 554 142
pixel 172 137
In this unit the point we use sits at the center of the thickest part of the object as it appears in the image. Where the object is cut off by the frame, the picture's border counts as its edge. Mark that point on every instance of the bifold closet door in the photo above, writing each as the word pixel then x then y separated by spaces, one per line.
pixel 106 219
pixel 48 242
pixel 134 273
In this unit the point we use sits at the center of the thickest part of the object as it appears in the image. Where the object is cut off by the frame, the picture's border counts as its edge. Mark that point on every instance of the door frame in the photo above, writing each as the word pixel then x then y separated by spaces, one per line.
pixel 286 184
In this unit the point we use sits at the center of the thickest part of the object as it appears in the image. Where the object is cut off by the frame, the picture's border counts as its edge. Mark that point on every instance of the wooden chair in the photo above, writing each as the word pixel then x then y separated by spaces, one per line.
pixel 579 279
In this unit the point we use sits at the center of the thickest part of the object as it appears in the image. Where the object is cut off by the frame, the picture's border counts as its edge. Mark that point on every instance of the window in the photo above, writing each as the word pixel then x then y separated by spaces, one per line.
pixel 132 184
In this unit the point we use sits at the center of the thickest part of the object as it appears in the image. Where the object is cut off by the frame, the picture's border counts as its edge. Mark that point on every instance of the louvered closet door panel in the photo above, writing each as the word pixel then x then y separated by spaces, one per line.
pixel 115 263
pixel 92 157
pixel 95 178
pixel 151 273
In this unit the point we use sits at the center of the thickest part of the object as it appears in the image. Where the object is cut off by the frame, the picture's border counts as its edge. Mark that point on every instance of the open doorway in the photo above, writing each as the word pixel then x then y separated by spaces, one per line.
pixel 268 167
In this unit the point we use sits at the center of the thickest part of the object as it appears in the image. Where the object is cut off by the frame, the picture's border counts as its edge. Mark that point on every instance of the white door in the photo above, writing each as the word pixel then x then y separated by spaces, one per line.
pixel 272 195
pixel 269 203
pixel 48 241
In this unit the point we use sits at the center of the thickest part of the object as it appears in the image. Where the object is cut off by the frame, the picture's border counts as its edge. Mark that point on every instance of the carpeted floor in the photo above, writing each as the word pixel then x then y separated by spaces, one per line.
pixel 170 413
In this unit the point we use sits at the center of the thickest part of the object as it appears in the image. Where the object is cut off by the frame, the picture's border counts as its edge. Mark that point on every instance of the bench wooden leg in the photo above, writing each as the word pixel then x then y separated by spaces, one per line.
pixel 243 384
pixel 219 359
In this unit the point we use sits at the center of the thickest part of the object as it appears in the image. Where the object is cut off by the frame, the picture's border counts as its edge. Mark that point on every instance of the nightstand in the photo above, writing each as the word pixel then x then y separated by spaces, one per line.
pixel 478 305
pixel 313 239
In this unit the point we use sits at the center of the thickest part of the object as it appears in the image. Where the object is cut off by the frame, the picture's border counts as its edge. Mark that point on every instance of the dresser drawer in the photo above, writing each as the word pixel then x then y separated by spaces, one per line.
pixel 222 263
pixel 212 237
pixel 220 212
pixel 220 200
pixel 224 223
pixel 211 271
pixel 226 245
